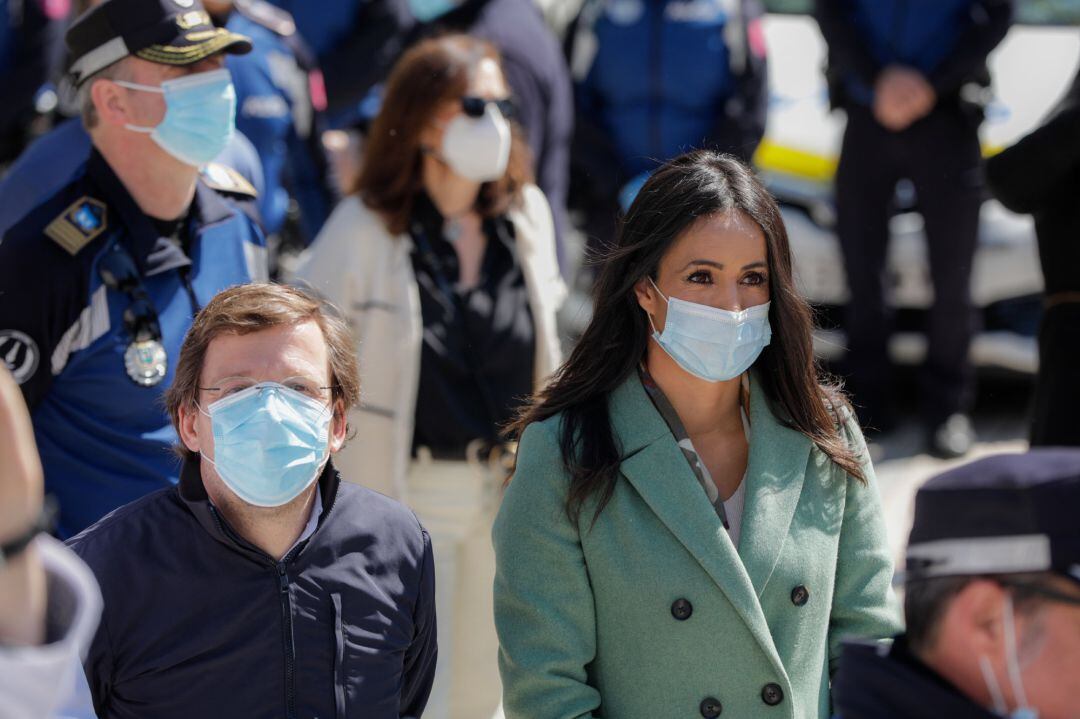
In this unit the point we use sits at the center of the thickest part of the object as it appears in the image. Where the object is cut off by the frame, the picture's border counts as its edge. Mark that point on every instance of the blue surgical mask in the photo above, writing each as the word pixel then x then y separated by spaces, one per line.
pixel 713 344
pixel 428 10
pixel 270 442
pixel 200 115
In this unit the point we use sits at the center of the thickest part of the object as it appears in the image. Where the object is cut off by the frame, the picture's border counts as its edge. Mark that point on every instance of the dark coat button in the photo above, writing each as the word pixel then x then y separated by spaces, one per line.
pixel 711 708
pixel 800 595
pixel 772 694
pixel 681 609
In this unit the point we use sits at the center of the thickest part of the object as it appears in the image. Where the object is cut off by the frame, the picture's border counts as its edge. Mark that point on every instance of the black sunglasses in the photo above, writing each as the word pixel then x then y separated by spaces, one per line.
pixel 477 106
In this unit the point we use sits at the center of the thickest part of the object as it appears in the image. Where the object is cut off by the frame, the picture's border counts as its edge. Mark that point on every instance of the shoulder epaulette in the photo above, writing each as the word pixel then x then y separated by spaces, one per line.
pixel 269 16
pixel 225 179
pixel 79 224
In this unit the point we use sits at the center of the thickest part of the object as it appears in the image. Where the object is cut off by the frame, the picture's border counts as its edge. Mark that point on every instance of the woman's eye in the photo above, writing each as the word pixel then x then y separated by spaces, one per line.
pixel 755 278
pixel 700 277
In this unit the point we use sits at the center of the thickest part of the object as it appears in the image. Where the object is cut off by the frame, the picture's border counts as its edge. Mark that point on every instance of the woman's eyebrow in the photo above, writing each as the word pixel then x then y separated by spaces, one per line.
pixel 720 266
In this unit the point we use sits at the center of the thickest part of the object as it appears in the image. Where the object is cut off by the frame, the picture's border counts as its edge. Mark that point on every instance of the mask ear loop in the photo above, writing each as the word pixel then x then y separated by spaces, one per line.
pixel 649 314
pixel 140 88
pixel 992 684
pixel 1012 656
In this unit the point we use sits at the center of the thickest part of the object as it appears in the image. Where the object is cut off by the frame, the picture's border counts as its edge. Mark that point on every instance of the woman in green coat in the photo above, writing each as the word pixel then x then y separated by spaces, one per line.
pixel 693 524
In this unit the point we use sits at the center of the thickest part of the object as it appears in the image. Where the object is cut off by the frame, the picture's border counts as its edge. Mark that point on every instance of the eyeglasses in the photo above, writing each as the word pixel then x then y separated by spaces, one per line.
pixel 476 106
pixel 304 385
pixel 118 272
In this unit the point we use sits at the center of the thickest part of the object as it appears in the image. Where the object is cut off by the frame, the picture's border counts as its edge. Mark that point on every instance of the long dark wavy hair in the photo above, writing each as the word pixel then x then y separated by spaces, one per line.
pixel 693 186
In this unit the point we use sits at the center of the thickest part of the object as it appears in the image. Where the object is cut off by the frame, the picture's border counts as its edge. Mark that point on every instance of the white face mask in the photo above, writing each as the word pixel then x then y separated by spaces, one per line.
pixel 1012 664
pixel 478 148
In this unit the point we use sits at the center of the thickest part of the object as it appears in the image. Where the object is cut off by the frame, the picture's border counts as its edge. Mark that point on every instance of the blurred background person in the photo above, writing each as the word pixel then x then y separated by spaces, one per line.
pixel 536 72
pixel 101 279
pixel 356 43
pixel 693 524
pixel 1040 175
pixel 31 51
pixel 899 69
pixel 654 79
pixel 992 600
pixel 279 103
pixel 49 602
pixel 444 258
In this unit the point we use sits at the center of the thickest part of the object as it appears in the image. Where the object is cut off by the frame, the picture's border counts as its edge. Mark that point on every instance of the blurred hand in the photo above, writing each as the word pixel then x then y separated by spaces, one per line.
pixel 21 479
pixel 901 97
pixel 22 580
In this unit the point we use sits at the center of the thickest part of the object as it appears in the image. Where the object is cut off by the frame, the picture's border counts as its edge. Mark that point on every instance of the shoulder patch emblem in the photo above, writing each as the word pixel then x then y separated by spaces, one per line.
pixel 19 353
pixel 225 179
pixel 79 224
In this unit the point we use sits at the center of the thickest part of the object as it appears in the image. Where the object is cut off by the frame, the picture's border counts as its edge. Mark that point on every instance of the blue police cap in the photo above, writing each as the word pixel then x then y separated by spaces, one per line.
pixel 1005 514
pixel 170 32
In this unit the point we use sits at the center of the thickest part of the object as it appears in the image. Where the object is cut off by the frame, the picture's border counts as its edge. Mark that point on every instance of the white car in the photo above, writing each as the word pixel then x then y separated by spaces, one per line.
pixel 1031 69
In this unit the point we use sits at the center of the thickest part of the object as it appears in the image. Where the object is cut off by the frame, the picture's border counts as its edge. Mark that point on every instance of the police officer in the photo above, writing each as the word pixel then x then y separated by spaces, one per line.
pixel 31 41
pixel 100 281
pixel 992 602
pixel 706 70
pixel 277 112
pixel 899 68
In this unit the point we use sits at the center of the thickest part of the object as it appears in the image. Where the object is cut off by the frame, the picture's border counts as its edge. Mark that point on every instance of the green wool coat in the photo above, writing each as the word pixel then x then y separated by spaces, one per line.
pixel 586 613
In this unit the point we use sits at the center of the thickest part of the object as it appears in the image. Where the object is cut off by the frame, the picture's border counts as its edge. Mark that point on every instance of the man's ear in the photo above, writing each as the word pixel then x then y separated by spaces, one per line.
pixel 110 102
pixel 980 607
pixel 339 427
pixel 188 430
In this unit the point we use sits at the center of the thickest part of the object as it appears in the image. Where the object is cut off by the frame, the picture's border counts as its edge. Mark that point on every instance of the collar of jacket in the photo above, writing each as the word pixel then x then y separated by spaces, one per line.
pixel 192 494
pixel 654 464
pixel 888 682
pixel 153 254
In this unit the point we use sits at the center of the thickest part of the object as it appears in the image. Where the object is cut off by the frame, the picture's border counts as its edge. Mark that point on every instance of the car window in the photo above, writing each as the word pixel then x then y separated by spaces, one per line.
pixel 1029 12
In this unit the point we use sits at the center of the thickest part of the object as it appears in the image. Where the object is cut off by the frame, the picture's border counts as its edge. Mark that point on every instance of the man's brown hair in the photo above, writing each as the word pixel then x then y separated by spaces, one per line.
pixel 435 71
pixel 244 309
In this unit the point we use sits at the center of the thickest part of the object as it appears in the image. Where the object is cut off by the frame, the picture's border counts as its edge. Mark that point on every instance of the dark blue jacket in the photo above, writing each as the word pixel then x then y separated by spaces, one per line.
pixel 31 48
pixel 274 109
pixel 878 681
pixel 200 623
pixel 655 78
pixel 946 40
pixel 105 440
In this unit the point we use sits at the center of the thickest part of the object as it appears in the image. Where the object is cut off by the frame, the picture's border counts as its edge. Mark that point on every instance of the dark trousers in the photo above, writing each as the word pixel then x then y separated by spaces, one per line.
pixel 940 155
pixel 1057 387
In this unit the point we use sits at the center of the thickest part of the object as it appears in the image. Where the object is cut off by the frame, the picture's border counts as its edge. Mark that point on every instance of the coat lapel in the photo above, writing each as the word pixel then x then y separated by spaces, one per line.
pixel 656 468
pixel 774 477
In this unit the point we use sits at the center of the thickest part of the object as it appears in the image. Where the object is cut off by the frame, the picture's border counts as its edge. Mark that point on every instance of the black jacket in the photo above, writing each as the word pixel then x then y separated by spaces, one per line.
pixel 877 681
pixel 853 58
pixel 199 623
pixel 1040 175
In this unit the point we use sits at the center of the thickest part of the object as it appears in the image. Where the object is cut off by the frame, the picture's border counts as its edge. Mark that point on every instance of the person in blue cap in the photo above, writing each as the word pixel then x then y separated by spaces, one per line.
pixel 100 280
pixel 277 111
pixel 992 600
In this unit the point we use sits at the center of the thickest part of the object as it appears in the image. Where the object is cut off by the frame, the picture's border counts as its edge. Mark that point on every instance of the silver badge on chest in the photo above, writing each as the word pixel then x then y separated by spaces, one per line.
pixel 146 362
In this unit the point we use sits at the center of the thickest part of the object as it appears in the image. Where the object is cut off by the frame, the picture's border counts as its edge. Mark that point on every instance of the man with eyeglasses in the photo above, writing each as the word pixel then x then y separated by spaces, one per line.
pixel 99 281
pixel 264 585
pixel 992 600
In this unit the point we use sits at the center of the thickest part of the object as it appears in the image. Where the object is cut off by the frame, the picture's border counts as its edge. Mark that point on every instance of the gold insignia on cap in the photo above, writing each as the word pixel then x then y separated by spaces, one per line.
pixel 79 224
pixel 188 20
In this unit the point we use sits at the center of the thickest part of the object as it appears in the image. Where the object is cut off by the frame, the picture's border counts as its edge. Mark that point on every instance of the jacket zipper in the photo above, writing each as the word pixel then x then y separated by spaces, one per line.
pixel 287 638
pixel 286 607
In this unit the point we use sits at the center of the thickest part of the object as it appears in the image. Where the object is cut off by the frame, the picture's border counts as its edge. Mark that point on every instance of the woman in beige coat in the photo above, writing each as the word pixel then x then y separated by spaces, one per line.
pixel 443 258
